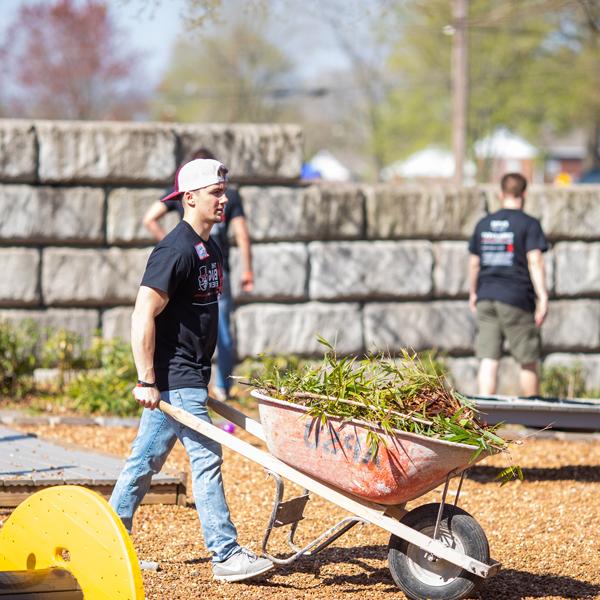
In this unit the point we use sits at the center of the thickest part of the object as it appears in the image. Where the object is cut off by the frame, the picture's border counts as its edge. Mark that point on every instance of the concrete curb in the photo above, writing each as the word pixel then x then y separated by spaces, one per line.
pixel 16 417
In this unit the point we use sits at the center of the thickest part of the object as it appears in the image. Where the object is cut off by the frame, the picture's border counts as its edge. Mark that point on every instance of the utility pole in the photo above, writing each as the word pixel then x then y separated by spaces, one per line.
pixel 460 86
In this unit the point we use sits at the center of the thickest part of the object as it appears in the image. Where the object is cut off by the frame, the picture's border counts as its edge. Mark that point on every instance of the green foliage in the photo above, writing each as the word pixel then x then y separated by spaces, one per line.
pixel 63 350
pixel 227 76
pixel 407 394
pixel 564 381
pixel 18 344
pixel 403 394
pixel 106 387
pixel 533 67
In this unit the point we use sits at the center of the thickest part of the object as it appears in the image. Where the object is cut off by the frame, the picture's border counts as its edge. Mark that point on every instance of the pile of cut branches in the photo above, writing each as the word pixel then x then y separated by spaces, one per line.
pixel 406 394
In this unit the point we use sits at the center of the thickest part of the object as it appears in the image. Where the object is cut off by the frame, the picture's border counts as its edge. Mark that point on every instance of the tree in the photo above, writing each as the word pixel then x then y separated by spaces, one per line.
pixel 526 71
pixel 232 75
pixel 68 60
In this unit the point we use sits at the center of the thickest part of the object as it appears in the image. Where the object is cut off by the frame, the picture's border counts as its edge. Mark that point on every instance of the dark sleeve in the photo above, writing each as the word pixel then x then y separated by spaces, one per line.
pixel 474 242
pixel 165 270
pixel 234 208
pixel 536 240
pixel 174 205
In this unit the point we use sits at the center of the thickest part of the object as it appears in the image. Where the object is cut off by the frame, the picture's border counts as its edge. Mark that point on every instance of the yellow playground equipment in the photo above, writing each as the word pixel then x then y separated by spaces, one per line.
pixel 63 543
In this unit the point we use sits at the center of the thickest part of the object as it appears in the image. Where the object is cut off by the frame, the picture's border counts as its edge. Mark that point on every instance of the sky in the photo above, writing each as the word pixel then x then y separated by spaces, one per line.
pixel 151 30
pixel 154 25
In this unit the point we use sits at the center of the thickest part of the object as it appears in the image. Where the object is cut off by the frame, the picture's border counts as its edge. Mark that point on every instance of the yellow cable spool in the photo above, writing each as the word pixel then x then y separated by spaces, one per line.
pixel 73 528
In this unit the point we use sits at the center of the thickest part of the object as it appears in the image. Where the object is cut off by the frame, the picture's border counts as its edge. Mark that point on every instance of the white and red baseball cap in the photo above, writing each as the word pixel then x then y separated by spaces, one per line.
pixel 196 174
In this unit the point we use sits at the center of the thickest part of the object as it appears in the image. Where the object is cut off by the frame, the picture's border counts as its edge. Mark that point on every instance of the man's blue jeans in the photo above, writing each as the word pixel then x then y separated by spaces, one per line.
pixel 225 348
pixel 156 436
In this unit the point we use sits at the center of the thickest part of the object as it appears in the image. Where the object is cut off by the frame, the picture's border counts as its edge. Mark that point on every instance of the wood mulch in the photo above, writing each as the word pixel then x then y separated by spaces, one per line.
pixel 543 530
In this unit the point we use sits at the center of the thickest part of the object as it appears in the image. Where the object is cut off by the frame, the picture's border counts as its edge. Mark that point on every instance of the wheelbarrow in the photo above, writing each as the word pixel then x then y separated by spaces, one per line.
pixel 436 550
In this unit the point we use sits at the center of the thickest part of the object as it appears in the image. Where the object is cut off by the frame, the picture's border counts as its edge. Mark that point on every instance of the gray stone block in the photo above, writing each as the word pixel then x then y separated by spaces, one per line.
pixel 566 213
pixel 435 212
pixel 18 152
pixel 116 323
pixel 391 327
pixel 304 213
pixel 126 209
pixel 19 281
pixel 249 151
pixel 74 277
pixel 572 325
pixel 105 152
pixel 292 329
pixel 83 322
pixel 353 270
pixel 451 270
pixel 44 214
pixel 463 376
pixel 590 364
pixel 577 268
pixel 280 272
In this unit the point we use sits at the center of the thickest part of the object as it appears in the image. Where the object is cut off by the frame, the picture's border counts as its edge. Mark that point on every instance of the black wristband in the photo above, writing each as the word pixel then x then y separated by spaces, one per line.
pixel 141 383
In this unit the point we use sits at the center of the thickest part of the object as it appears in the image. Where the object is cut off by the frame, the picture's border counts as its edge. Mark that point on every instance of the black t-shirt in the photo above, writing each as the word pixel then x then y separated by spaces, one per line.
pixel 502 241
pixel 233 208
pixel 190 271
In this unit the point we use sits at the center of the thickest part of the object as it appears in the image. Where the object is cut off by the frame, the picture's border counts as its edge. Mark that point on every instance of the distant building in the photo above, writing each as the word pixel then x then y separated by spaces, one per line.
pixel 565 157
pixel 503 152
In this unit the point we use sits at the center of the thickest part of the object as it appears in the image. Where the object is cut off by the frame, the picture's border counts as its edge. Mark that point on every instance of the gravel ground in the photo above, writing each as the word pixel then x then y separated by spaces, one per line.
pixel 543 530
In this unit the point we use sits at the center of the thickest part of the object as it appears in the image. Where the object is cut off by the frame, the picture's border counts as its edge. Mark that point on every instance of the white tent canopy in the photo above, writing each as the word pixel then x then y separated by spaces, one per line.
pixel 330 168
pixel 431 163
pixel 504 144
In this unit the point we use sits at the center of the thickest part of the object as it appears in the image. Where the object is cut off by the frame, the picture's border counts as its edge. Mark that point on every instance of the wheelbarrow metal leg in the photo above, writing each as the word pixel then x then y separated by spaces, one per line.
pixel 291 512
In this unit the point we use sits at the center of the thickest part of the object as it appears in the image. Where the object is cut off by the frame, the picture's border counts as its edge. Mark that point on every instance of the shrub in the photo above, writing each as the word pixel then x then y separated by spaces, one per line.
pixel 563 381
pixel 63 350
pixel 106 387
pixel 18 344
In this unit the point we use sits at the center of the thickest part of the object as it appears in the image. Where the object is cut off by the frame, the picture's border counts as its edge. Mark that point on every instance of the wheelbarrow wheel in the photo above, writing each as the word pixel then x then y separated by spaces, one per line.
pixel 421 578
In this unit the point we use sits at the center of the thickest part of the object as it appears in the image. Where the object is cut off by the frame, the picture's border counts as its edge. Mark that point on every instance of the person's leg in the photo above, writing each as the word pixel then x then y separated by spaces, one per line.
pixel 155 439
pixel 205 456
pixel 487 376
pixel 488 347
pixel 529 379
pixel 525 346
pixel 225 347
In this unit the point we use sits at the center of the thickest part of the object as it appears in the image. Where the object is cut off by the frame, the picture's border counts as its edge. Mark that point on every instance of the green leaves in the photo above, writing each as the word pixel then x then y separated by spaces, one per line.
pixel 407 394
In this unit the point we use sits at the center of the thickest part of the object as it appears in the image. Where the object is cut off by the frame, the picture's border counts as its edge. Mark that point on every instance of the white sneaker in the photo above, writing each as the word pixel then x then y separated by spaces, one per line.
pixel 242 565
pixel 220 394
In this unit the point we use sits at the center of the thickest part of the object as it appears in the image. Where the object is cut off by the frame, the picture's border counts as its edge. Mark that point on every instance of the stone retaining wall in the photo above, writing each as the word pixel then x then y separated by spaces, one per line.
pixel 371 267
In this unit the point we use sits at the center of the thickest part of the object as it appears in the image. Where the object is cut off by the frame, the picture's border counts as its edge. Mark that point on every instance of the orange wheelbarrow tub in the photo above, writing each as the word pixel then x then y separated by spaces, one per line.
pixel 406 466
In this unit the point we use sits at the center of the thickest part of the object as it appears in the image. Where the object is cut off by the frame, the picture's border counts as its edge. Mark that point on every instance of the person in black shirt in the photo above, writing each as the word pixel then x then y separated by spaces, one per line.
pixel 507 287
pixel 235 218
pixel 173 337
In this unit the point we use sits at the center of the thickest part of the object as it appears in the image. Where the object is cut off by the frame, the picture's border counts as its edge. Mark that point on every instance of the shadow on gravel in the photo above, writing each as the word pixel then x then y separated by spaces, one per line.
pixel 511 584
pixel 483 474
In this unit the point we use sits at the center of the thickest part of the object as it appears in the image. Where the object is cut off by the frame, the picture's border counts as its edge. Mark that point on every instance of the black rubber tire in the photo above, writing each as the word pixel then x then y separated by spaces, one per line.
pixel 457 526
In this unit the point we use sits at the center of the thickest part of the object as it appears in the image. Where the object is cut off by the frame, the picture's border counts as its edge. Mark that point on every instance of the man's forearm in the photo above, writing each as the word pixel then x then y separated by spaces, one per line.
pixel 242 239
pixel 538 276
pixel 473 274
pixel 142 345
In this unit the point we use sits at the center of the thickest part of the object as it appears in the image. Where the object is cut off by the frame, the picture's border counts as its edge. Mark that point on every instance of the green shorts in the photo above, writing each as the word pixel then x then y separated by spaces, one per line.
pixel 497 321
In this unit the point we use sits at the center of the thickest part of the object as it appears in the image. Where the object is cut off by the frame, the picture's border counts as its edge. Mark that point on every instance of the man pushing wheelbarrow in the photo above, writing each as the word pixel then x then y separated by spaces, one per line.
pixel 173 337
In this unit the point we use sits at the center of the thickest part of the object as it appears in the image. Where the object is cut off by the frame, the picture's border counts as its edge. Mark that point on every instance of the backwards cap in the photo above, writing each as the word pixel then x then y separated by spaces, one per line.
pixel 196 174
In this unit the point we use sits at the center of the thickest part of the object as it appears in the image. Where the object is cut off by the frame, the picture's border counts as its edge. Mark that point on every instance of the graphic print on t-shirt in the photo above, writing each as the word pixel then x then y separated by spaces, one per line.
pixel 498 245
pixel 209 283
pixel 201 251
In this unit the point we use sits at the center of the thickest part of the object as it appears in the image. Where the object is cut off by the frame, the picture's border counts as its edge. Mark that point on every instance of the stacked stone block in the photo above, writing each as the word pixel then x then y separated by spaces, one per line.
pixel 369 267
